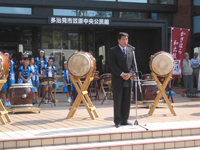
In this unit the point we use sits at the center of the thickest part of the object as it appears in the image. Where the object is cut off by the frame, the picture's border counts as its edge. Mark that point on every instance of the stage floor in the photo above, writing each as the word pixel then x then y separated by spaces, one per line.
pixel 53 122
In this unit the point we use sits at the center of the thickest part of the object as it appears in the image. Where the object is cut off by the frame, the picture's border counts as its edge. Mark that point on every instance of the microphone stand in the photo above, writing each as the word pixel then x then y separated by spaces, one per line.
pixel 137 82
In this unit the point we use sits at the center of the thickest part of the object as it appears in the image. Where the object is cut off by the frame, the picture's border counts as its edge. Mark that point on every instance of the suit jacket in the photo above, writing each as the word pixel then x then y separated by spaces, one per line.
pixel 119 64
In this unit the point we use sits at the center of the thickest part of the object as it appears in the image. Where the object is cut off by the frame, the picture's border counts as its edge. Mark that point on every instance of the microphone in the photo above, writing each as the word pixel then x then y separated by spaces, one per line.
pixel 131 46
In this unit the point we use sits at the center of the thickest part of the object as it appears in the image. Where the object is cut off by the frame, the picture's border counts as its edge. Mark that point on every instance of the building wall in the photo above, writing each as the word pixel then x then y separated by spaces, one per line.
pixel 182 19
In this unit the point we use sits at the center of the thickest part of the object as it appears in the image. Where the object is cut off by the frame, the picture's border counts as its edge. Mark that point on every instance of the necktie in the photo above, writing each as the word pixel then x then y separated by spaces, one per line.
pixel 124 52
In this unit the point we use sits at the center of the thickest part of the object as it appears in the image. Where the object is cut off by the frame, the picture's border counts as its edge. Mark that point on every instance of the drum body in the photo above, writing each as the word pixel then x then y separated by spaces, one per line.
pixel 106 78
pixel 21 95
pixel 96 75
pixel 147 77
pixel 4 66
pixel 45 80
pixel 81 63
pixel 149 90
pixel 161 63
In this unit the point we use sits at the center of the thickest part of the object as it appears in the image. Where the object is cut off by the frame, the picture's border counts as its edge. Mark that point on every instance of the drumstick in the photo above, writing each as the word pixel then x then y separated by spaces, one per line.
pixel 69 84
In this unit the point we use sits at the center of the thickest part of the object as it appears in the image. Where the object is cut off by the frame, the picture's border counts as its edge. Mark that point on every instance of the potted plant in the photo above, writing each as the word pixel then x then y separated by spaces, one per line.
pixel 178 88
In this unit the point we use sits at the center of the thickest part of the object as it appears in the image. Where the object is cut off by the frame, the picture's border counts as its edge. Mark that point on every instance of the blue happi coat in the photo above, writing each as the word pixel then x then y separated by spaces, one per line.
pixel 38 62
pixel 36 76
pixel 53 72
pixel 22 73
pixel 12 77
pixel 65 88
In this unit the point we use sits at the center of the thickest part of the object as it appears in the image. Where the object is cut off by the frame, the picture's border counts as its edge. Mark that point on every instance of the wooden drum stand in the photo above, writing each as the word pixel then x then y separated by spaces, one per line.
pixel 161 93
pixel 82 96
pixel 4 111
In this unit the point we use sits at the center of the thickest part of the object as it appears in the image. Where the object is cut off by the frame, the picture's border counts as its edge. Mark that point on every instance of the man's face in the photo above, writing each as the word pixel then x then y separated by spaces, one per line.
pixel 196 55
pixel 123 41
pixel 187 57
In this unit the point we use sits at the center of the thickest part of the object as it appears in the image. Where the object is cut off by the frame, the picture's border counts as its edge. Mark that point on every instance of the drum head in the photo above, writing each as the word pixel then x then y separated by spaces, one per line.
pixel 162 64
pixel 149 83
pixel 23 85
pixel 79 64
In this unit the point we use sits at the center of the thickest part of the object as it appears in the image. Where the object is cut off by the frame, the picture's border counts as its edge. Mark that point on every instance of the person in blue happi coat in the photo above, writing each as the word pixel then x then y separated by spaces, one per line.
pixel 68 87
pixel 10 80
pixel 49 70
pixel 25 72
pixel 35 78
pixel 40 62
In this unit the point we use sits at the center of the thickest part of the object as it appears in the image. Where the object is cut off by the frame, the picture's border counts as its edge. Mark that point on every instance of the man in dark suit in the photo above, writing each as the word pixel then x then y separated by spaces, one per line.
pixel 121 63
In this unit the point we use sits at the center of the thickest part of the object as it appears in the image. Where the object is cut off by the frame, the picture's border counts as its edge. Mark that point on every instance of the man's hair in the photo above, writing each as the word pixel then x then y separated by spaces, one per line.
pixel 120 34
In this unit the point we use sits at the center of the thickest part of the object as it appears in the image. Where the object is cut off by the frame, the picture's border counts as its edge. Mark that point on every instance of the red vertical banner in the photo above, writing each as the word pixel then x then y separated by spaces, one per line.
pixel 178 46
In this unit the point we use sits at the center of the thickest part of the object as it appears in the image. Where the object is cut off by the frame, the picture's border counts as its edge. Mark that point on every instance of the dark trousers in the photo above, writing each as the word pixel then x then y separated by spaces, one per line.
pixel 121 97
pixel 74 94
pixel 188 82
pixel 195 76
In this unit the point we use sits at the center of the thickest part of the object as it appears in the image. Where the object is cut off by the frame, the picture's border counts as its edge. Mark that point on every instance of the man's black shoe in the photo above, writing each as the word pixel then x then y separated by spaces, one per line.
pixel 126 123
pixel 117 125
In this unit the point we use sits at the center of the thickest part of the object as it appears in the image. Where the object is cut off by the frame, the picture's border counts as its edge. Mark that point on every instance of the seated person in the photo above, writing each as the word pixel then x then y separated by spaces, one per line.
pixel 49 70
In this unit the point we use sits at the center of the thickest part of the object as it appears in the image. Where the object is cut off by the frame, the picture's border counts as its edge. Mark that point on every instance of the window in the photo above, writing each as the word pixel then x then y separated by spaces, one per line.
pixel 197 49
pixel 64 12
pixel 162 1
pixel 196 2
pixel 162 16
pixel 154 15
pixel 103 0
pixel 133 1
pixel 94 13
pixel 15 10
pixel 196 24
pixel 138 15
pixel 81 13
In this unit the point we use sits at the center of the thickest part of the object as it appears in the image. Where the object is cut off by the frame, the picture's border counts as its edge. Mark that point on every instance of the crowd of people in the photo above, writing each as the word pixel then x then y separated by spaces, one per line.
pixel 191 74
pixel 32 70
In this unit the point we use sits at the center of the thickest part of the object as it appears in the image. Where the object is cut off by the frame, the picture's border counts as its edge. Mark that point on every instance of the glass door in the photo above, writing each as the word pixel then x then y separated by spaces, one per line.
pixel 60 44
pixel 100 45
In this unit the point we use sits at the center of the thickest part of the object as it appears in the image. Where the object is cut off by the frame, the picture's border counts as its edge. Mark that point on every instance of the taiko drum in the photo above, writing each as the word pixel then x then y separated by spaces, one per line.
pixel 81 63
pixel 161 63
pixel 4 66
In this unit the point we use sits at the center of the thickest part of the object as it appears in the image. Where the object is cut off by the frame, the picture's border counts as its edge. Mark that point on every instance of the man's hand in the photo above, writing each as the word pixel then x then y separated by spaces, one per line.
pixel 126 76
pixel 123 75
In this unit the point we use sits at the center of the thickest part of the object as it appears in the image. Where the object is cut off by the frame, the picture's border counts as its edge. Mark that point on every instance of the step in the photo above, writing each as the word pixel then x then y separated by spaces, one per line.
pixel 126 148
pixel 65 136
pixel 187 148
pixel 142 144
pixel 93 137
